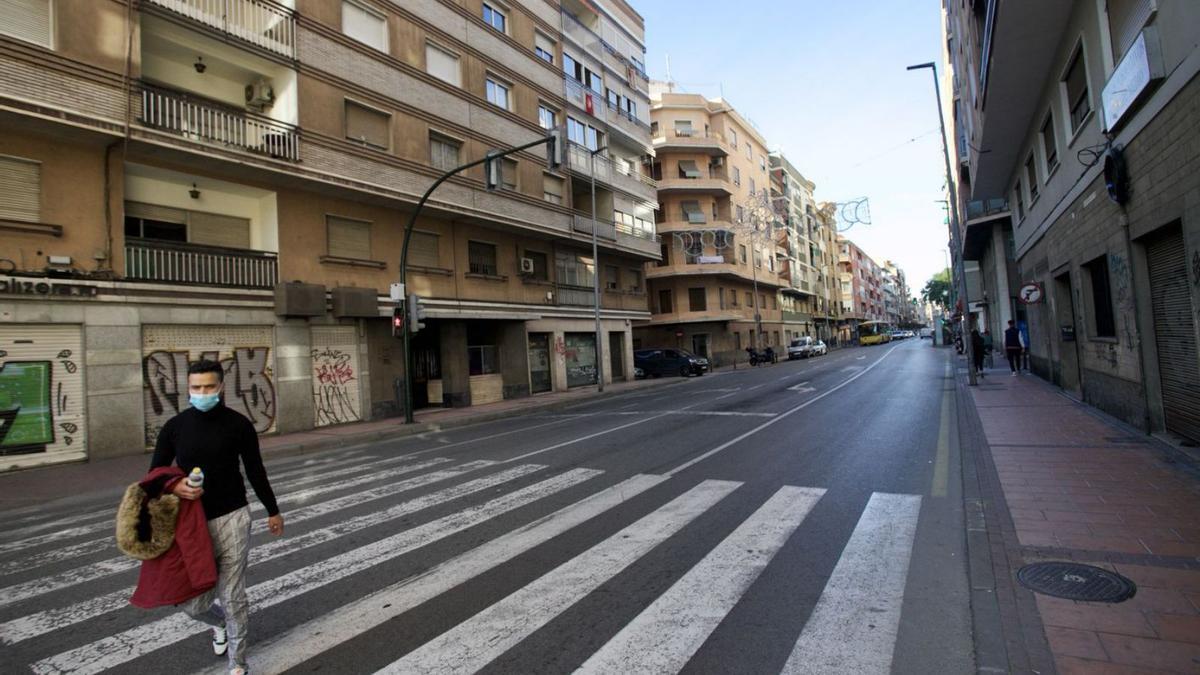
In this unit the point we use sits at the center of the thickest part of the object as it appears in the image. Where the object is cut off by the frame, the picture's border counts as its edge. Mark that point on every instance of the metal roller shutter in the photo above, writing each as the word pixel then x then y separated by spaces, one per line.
pixel 335 375
pixel 42 402
pixel 1175 334
pixel 213 229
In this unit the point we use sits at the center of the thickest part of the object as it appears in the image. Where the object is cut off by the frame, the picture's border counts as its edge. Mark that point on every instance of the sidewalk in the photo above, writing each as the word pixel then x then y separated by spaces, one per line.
pixel 1081 487
pixel 28 488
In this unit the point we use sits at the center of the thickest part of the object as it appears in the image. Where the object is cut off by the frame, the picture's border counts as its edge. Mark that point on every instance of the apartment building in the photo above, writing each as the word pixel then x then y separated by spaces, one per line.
pixel 861 283
pixel 827 313
pixel 796 248
pixel 718 227
pixel 185 179
pixel 1087 128
pixel 897 298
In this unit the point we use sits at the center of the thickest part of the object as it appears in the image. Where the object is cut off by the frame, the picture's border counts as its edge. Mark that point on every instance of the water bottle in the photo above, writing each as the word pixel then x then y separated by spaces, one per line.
pixel 196 478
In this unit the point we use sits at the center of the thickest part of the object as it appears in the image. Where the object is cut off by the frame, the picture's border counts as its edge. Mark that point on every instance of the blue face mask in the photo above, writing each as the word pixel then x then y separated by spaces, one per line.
pixel 205 402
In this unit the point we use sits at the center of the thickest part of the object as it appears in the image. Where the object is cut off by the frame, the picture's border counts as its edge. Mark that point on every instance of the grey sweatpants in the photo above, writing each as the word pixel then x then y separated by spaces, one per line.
pixel 231 545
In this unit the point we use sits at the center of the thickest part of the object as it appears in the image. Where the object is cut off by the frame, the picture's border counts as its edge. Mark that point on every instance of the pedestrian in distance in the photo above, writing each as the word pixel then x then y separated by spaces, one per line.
pixel 215 438
pixel 1013 347
pixel 977 351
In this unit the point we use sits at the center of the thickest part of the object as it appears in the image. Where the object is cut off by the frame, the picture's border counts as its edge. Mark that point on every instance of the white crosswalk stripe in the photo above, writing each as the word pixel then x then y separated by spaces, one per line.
pixel 853 626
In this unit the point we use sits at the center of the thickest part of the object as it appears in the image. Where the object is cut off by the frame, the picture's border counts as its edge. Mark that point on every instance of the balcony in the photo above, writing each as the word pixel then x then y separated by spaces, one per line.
pixel 168 262
pixel 604 229
pixel 202 120
pixel 586 99
pixel 259 22
pixel 580 296
pixel 693 140
pixel 621 120
pixel 982 208
pixel 717 182
pixel 614 174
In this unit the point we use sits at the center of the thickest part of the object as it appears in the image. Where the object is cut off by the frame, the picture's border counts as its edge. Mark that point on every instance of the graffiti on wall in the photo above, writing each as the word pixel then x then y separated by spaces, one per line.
pixel 335 387
pixel 41 406
pixel 1123 293
pixel 249 385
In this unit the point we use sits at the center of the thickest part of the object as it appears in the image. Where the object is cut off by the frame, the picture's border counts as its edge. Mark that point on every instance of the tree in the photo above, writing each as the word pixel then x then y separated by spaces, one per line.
pixel 937 290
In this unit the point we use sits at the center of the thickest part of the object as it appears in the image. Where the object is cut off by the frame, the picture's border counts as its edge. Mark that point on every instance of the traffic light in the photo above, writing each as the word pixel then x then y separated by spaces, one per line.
pixel 416 313
pixel 555 147
pixel 493 170
pixel 398 320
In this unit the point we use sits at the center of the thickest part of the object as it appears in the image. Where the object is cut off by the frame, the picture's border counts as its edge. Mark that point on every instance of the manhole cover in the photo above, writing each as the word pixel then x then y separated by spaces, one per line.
pixel 1076 582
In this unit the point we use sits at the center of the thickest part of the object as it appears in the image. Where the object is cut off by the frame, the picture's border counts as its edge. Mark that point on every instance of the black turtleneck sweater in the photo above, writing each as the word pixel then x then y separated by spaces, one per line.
pixel 214 441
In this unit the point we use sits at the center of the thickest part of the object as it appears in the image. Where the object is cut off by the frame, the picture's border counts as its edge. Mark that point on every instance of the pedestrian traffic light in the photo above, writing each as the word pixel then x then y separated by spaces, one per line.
pixel 398 320
pixel 493 170
pixel 416 313
pixel 555 146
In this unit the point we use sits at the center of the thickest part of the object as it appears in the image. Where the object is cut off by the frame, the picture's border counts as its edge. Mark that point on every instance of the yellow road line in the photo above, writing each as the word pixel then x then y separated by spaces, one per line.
pixel 941 463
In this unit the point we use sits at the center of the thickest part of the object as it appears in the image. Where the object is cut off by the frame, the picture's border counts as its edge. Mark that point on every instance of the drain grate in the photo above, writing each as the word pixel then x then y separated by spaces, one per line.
pixel 1074 581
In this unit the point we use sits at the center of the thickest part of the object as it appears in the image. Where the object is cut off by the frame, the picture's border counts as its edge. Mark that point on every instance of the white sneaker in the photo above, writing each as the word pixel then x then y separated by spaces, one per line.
pixel 220 641
pixel 239 671
pixel 1014 373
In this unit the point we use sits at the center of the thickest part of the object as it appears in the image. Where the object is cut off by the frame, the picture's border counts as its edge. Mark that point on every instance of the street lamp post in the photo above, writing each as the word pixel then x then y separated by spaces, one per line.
pixel 596 272
pixel 954 228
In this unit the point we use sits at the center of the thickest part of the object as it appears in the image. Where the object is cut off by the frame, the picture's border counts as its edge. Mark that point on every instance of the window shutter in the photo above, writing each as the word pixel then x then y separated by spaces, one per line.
pixel 165 214
pixel 423 249
pixel 509 173
pixel 349 238
pixel 26 19
pixel 543 43
pixel 369 126
pixel 552 187
pixel 364 25
pixel 20 188
pixel 216 230
pixel 442 65
pixel 1126 18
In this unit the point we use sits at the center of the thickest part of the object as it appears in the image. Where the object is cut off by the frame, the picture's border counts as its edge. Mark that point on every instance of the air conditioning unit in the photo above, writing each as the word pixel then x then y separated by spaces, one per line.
pixel 259 94
pixel 526 266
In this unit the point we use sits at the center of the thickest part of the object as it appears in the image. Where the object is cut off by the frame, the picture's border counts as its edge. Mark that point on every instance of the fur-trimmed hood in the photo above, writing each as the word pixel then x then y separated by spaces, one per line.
pixel 146 517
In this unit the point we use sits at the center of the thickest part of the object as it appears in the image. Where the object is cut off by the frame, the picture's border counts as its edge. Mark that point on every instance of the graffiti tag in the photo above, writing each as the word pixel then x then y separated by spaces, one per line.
pixel 333 396
pixel 249 388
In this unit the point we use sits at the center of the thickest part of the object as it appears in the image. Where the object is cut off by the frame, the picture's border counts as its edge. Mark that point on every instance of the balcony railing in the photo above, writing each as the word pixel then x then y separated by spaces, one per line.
pixel 604 229
pixel 986 207
pixel 192 264
pixel 259 22
pixel 575 295
pixel 610 172
pixel 633 231
pixel 627 117
pixel 200 119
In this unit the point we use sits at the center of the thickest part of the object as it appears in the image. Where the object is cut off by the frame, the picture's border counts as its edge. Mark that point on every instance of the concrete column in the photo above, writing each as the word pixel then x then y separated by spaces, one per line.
pixel 513 351
pixel 112 342
pixel 1003 302
pixel 558 362
pixel 456 379
pixel 293 376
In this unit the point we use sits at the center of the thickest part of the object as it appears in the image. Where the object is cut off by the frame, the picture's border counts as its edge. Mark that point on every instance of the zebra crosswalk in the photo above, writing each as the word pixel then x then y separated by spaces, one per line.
pixel 368 542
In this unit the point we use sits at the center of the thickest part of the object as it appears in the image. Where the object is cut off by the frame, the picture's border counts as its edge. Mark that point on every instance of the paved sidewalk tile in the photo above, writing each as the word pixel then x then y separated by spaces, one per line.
pixel 1082 488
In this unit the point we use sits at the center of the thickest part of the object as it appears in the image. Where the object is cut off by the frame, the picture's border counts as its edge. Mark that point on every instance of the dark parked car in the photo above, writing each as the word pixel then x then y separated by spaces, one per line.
pixel 658 362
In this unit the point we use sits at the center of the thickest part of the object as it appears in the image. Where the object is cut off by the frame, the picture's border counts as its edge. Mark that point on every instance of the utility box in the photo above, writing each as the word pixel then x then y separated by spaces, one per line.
pixel 350 302
pixel 299 299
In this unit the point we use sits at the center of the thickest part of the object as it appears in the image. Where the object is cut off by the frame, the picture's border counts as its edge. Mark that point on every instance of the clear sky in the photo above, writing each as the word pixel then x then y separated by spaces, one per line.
pixel 825 82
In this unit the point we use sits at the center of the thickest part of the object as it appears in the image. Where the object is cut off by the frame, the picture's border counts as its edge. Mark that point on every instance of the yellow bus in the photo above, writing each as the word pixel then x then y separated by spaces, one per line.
pixel 874 333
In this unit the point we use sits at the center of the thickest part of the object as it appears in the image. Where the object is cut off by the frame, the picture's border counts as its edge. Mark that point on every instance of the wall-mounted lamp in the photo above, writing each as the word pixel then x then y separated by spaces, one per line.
pixel 200 66
pixel 194 192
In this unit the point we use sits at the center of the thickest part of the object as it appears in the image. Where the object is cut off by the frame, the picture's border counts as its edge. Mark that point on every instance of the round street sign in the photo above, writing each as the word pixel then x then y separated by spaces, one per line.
pixel 1030 293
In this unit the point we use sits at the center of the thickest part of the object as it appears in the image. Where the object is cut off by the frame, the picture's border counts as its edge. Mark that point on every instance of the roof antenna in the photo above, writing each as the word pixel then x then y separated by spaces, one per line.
pixel 668 67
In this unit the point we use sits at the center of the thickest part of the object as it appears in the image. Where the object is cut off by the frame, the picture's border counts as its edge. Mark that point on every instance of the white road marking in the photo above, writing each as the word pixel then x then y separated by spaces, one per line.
pixel 112 651
pixel 39 623
pixel 339 625
pixel 474 643
pixel 854 624
pixel 773 420
pixel 667 633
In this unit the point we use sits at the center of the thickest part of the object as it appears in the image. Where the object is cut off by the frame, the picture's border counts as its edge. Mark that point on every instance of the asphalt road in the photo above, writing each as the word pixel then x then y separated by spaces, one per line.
pixel 800 517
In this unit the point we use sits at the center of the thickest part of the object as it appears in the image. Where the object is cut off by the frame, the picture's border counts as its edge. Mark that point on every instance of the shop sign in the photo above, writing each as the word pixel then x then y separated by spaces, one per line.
pixel 10 286
pixel 1140 67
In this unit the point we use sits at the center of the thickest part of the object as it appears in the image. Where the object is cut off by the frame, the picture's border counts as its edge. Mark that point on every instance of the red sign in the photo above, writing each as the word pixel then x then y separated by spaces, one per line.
pixel 678 333
pixel 589 104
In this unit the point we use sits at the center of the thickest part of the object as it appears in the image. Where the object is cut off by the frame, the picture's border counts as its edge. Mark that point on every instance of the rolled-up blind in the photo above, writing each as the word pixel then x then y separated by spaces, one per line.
pixel 20 188
pixel 1126 19
pixel 26 19
pixel 349 238
pixel 213 229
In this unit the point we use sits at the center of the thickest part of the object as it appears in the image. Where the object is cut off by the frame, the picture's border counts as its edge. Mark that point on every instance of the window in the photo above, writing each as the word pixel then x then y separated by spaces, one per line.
pixel 720 298
pixel 541 265
pixel 1126 18
pixel 749 150
pixel 683 128
pixel 481 258
pixel 762 162
pixel 614 99
pixel 1103 323
pixel 594 81
pixel 497 93
pixel 612 277
pixel 27 20
pixel 740 211
pixel 443 152
pixel 749 299
pixel 733 138
pixel 572 68
pixel 547 116
pixel 591 138
pixel 742 253
pixel 664 302
pixel 688 169
pixel 442 64
pixel 348 238
pixel 574 269
pixel 495 18
pixel 509 173
pixel 635 280
pixel 753 189
pixel 733 298
pixel 692 212
pixel 543 47
pixel 1031 178
pixel 552 188
pixel 737 176
pixel 576 131
pixel 1049 143
pixel 368 126
pixel 631 108
pixel 20 189
pixel 1078 101
pixel 1019 201
pixel 423 249
pixel 364 24
pixel 697 299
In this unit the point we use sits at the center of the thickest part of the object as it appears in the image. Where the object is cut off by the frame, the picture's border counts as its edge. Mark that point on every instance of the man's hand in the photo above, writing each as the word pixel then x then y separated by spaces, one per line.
pixel 185 491
pixel 275 524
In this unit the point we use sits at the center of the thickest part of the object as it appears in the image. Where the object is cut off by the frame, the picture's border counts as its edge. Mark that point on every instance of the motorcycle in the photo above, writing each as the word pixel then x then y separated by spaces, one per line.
pixel 763 357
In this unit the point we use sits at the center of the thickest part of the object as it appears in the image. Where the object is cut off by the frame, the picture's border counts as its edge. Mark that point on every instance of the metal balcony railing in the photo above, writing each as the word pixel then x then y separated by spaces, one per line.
pixel 986 207
pixel 607 171
pixel 147 260
pixel 200 119
pixel 626 116
pixel 259 22
pixel 575 295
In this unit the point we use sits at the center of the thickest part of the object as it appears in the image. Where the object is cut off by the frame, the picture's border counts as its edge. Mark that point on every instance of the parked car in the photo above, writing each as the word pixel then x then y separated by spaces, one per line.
pixel 927 333
pixel 659 362
pixel 818 349
pixel 801 347
pixel 898 335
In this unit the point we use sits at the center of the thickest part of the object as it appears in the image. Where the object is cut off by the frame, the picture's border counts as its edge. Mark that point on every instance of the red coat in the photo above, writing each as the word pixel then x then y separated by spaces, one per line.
pixel 188 568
